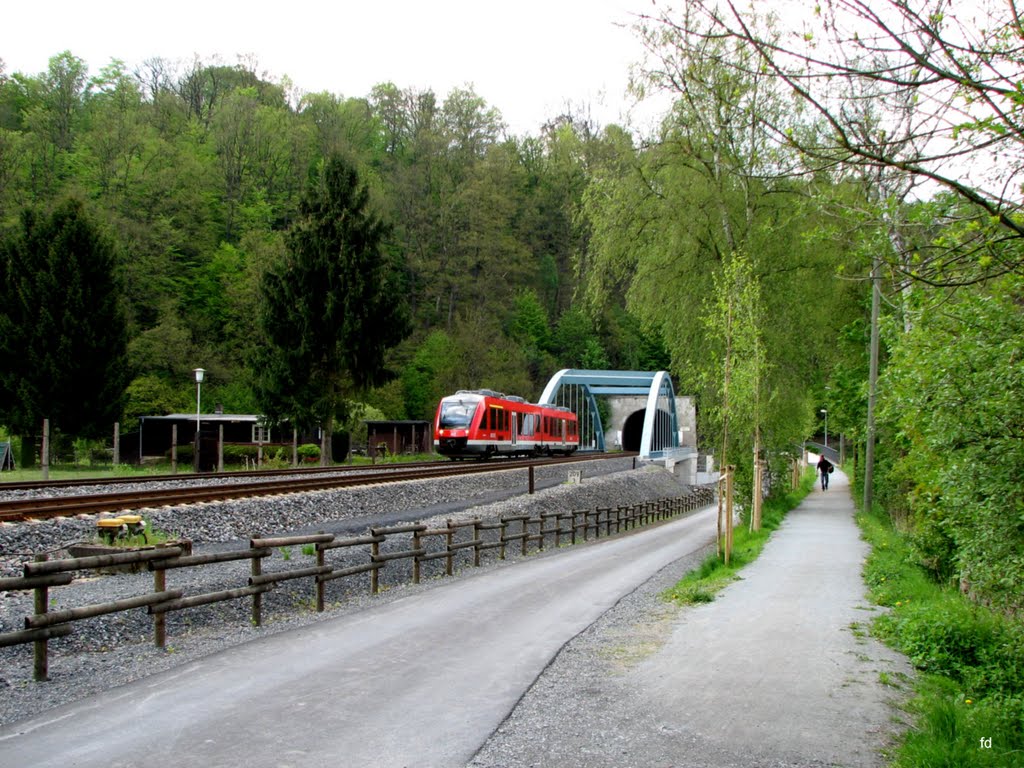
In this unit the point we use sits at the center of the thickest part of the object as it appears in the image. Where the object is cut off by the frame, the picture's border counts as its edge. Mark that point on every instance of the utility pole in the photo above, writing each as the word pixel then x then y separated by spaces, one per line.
pixel 869 449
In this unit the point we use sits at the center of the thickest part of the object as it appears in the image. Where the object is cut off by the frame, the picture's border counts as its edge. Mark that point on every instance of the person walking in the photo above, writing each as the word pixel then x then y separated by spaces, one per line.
pixel 825 468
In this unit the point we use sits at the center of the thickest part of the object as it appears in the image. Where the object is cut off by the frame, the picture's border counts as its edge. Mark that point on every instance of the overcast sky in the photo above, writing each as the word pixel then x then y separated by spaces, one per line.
pixel 528 58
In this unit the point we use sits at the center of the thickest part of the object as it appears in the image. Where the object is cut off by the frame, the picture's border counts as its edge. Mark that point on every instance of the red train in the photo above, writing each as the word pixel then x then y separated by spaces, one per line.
pixel 481 423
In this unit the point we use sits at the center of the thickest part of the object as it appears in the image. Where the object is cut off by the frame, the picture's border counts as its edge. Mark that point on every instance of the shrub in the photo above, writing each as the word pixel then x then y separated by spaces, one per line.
pixel 973 658
pixel 948 638
pixel 308 452
pixel 237 454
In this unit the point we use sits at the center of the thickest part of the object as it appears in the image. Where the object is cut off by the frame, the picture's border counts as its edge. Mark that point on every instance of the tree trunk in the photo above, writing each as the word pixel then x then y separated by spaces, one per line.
pixel 326 438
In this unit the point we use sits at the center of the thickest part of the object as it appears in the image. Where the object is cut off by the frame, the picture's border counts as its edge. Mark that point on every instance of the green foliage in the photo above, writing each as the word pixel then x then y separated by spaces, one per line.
pixel 433 372
pixel 62 325
pixel 149 395
pixel 666 221
pixel 333 307
pixel 529 322
pixel 308 452
pixel 200 173
pixel 737 369
pixel 973 659
pixel 955 385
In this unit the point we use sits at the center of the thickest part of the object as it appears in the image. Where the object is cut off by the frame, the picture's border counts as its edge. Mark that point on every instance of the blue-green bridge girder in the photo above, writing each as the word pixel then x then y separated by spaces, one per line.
pixel 576 389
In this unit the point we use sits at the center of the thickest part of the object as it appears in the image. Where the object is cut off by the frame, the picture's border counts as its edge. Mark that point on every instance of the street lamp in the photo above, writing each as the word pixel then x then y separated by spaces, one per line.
pixel 825 411
pixel 199 373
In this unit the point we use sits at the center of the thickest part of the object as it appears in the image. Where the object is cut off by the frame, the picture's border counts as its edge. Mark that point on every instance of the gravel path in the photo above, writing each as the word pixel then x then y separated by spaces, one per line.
pixel 775 673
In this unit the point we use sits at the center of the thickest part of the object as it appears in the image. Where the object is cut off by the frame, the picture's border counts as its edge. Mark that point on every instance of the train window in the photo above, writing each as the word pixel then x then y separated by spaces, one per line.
pixel 456 415
pixel 497 419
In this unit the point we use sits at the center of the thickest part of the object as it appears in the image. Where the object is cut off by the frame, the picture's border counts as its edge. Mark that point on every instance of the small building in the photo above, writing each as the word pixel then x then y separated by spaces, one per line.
pixel 399 437
pixel 157 434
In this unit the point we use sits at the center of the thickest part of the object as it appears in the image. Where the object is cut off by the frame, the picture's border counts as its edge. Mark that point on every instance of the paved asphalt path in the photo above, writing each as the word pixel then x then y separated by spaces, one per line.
pixel 419 681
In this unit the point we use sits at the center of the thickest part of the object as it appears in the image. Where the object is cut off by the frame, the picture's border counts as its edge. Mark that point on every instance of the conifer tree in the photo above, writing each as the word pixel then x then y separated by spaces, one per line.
pixel 331 308
pixel 63 337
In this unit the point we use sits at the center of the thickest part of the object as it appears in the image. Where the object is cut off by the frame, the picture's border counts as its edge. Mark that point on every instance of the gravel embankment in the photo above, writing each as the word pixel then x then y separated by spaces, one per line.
pixel 232 521
pixel 112 650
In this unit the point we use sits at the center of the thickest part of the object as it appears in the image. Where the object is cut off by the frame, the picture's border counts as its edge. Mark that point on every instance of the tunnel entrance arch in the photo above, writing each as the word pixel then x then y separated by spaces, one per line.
pixel 658 427
pixel 633 431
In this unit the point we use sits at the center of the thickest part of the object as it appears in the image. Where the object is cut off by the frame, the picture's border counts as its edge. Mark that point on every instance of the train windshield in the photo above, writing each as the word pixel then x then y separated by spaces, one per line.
pixel 456 415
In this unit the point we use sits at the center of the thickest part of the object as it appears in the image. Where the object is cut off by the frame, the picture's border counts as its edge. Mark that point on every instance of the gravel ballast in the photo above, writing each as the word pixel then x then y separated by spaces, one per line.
pixel 108 651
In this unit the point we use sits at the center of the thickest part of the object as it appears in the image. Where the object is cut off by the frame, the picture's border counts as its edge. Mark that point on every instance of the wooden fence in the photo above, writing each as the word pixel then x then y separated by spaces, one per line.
pixel 413 542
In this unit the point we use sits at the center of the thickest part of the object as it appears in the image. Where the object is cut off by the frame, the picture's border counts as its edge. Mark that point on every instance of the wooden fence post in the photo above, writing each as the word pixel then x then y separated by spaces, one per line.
pixel 374 574
pixel 728 514
pixel 46 449
pixel 321 586
pixel 416 545
pixel 159 619
pixel 257 599
pixel 449 541
pixel 476 545
pixel 40 671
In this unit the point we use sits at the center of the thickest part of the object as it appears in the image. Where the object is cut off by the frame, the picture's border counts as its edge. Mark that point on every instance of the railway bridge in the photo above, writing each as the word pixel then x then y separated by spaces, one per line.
pixel 640 408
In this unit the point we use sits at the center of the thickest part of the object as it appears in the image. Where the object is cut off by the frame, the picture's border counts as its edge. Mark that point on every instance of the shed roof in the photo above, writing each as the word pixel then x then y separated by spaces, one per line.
pixel 232 417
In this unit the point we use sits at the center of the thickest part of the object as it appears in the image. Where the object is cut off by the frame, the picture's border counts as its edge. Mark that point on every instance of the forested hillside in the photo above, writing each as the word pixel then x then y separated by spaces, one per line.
pixel 738 247
pixel 195 172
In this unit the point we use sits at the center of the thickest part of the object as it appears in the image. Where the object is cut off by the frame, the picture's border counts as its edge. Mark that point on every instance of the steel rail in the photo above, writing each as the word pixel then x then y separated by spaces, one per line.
pixel 186 477
pixel 64 506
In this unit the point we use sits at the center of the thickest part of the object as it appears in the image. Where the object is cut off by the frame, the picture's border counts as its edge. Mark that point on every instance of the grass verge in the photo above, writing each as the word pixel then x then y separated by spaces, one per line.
pixel 701 585
pixel 968 707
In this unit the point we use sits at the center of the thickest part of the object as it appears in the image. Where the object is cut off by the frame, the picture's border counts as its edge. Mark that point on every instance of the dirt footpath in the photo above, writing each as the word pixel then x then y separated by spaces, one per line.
pixel 777 671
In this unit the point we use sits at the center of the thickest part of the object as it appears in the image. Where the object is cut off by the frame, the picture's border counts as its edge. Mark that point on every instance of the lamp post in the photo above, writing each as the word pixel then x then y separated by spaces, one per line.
pixel 199 373
pixel 825 411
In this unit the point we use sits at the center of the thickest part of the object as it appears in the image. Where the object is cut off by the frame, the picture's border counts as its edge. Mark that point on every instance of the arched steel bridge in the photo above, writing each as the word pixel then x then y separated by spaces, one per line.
pixel 578 390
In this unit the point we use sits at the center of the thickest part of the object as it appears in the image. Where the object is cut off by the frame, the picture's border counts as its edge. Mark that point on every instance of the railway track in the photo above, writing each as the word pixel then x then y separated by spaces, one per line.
pixel 204 477
pixel 65 506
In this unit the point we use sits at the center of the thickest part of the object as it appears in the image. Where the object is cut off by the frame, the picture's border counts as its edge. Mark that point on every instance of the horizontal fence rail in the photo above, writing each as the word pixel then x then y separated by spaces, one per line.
pixel 382 548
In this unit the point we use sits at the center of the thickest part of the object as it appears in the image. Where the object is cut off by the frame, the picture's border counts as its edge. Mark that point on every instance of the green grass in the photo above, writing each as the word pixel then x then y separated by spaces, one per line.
pixel 82 472
pixel 701 585
pixel 968 707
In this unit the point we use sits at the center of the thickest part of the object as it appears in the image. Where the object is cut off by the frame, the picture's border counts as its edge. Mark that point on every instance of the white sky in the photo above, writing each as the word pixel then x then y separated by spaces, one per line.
pixel 528 58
